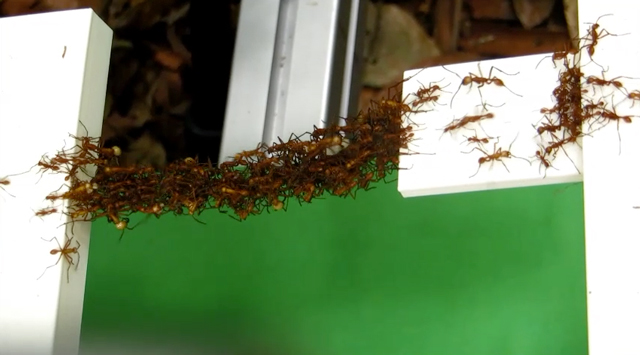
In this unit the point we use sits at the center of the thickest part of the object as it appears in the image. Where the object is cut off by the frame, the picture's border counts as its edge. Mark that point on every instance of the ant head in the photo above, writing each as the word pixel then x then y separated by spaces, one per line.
pixel 54 251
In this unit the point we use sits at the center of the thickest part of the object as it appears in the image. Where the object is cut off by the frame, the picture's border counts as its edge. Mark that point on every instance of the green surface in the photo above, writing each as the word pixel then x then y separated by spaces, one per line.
pixel 487 273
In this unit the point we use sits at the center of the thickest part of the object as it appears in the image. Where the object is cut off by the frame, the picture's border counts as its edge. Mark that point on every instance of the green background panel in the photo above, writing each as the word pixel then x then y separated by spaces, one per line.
pixel 486 273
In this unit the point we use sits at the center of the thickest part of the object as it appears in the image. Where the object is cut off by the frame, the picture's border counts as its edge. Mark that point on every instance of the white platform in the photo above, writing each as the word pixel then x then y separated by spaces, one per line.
pixel 53 74
pixel 449 170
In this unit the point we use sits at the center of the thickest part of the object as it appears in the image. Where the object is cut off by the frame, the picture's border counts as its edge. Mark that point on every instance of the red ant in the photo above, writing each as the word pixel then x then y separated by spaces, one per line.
pixel 547 127
pixel 44 212
pixel 426 94
pixel 634 95
pixel 459 123
pixel 497 155
pixel 544 161
pixel 613 116
pixel 475 139
pixel 559 55
pixel 4 181
pixel 65 252
pixel 594 36
pixel 481 81
pixel 596 81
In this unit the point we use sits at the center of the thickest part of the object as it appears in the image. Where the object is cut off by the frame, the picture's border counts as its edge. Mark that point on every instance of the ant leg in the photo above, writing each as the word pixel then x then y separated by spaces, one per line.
pixel 505 165
pixel 52 239
pixel 619 138
pixel 8 193
pixel 454 95
pixel 482 128
pixel 122 235
pixel 481 98
pixel 514 140
pixel 477 171
pixel 572 162
pixel 197 220
pixel 461 83
pixel 521 158
pixel 549 56
pixel 505 73
pixel 69 260
pixel 49 267
pixel 78 247
pixel 484 104
pixel 474 148
pixel 85 128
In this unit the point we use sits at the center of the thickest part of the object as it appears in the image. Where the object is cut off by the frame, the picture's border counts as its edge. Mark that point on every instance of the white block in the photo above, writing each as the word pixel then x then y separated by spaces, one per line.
pixel 53 74
pixel 611 189
pixel 449 169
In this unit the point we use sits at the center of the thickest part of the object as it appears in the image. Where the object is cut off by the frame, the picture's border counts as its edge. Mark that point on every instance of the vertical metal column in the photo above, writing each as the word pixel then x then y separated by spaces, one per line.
pixel 293 68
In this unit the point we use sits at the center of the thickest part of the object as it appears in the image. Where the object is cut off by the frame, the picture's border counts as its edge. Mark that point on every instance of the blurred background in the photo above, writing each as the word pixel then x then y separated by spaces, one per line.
pixel 157 63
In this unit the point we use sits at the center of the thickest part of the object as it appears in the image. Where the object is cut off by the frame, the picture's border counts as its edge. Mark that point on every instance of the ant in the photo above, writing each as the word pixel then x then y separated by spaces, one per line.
pixel 559 55
pixel 634 96
pixel 4 182
pixel 547 127
pixel 475 139
pixel 596 81
pixel 459 123
pixel 497 155
pixel 481 81
pixel 44 212
pixel 594 36
pixel 544 161
pixel 426 94
pixel 612 115
pixel 65 252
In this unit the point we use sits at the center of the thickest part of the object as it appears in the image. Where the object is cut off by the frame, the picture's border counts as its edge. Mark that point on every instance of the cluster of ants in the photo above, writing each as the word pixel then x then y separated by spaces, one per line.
pixel 574 115
pixel 563 124
pixel 337 160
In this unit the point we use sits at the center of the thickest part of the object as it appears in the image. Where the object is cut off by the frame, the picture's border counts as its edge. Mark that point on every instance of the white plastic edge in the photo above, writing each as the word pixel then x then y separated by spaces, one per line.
pixel 53 75
pixel 611 188
pixel 443 167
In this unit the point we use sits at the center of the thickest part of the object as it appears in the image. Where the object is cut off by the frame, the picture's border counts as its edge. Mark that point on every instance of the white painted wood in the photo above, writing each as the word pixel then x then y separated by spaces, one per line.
pixel 53 74
pixel 611 189
pixel 449 169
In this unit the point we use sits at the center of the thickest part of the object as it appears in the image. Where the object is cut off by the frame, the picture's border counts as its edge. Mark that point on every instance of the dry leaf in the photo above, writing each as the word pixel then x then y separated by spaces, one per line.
pixel 140 14
pixel 96 5
pixel 531 13
pixel 168 58
pixel 177 45
pixel 492 9
pixel 425 6
pixel 177 14
pixel 20 7
pixel 397 40
pixel 168 90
